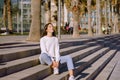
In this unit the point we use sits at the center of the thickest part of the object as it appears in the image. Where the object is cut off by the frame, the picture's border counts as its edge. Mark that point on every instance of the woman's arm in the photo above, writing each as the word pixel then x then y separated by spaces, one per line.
pixel 55 64
pixel 57 52
pixel 42 46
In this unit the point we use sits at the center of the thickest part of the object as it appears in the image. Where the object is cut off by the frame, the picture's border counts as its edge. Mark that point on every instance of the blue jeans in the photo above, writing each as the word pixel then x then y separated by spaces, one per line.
pixel 45 59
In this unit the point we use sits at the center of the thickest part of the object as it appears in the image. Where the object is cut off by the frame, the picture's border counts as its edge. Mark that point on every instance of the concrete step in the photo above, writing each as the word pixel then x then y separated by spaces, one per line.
pixel 29 74
pixel 109 43
pixel 80 65
pixel 71 49
pixel 115 75
pixel 10 43
pixel 17 53
pixel 93 70
pixel 101 39
pixel 106 72
pixel 22 44
pixel 37 71
pixel 112 42
pixel 64 75
pixel 25 50
pixel 17 65
pixel 21 50
pixel 68 50
pixel 20 64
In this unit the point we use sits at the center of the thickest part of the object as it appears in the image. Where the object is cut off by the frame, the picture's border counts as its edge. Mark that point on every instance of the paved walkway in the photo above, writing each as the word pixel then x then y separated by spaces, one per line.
pixel 7 39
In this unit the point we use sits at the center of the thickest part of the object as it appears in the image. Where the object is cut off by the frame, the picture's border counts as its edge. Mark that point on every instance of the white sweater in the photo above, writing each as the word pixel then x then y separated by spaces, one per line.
pixel 50 46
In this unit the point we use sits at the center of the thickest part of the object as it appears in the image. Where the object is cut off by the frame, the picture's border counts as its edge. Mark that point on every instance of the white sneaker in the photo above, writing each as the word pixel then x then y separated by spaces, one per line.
pixel 71 78
pixel 55 71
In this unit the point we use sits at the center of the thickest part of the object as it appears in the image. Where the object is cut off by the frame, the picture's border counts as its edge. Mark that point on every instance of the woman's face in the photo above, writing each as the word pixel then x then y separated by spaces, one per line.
pixel 50 28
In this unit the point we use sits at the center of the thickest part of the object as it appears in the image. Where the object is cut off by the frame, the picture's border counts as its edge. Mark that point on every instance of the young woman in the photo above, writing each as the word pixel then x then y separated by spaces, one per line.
pixel 50 55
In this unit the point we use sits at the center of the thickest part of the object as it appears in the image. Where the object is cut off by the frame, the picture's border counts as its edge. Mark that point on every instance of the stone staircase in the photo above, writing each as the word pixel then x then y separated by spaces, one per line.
pixel 91 57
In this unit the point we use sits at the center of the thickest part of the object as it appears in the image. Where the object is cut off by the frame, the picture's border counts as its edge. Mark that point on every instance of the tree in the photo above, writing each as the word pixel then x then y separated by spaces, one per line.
pixel 76 13
pixel 77 7
pixel 7 16
pixel 62 11
pixel 90 33
pixel 106 14
pixel 98 11
pixel 47 5
pixel 34 34
pixel 116 30
pixel 110 13
pixel 114 15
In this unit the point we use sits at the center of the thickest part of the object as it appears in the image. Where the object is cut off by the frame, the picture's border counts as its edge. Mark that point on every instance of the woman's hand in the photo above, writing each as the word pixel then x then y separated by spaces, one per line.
pixel 55 64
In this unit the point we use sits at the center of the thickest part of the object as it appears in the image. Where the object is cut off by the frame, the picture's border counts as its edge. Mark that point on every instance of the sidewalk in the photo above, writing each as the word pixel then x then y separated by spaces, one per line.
pixel 8 39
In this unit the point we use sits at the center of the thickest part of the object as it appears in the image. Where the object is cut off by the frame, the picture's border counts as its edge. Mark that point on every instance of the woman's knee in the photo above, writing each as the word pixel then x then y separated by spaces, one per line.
pixel 43 55
pixel 68 57
pixel 46 59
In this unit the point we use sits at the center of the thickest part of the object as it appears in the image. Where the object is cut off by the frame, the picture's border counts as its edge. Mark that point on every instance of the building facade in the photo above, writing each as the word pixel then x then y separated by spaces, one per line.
pixel 1 11
pixel 25 14
pixel 25 17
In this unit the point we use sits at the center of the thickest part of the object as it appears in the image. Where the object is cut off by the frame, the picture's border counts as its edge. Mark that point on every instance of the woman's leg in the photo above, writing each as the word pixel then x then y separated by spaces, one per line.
pixel 67 59
pixel 45 59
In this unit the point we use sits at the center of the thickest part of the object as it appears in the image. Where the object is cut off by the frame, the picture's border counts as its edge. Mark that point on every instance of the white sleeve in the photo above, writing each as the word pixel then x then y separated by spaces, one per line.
pixel 57 52
pixel 42 46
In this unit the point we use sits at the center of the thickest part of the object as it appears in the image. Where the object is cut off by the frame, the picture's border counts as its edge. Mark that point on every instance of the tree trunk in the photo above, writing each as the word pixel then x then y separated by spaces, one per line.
pixel 76 14
pixel 47 6
pixel 90 33
pixel 18 22
pixel 98 17
pixel 17 15
pixel 9 16
pixel 113 16
pixel 75 25
pixel 62 14
pixel 116 30
pixel 110 13
pixel 34 34
pixel 106 16
pixel 5 14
